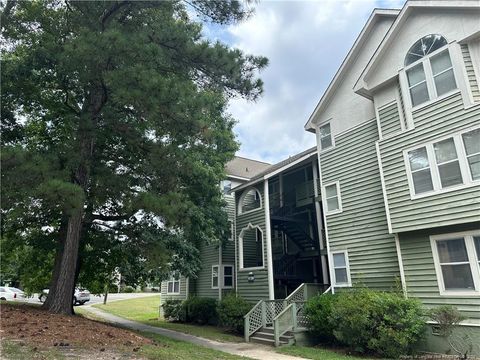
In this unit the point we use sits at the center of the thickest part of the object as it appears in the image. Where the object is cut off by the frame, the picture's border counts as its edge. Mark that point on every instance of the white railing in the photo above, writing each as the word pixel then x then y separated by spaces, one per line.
pixel 254 319
pixel 272 309
pixel 285 321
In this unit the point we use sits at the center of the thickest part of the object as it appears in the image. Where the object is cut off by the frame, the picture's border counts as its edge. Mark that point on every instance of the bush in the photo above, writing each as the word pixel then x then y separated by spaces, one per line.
pixel 231 311
pixel 128 289
pixel 200 310
pixel 173 310
pixel 446 317
pixel 373 321
pixel 318 311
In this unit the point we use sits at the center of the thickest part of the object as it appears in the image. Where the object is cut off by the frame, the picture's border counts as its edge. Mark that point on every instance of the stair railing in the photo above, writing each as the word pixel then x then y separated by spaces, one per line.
pixel 254 319
pixel 285 321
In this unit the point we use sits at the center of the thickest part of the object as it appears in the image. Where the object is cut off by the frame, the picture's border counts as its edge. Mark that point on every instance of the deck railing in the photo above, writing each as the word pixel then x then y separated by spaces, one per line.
pixel 285 321
pixel 254 319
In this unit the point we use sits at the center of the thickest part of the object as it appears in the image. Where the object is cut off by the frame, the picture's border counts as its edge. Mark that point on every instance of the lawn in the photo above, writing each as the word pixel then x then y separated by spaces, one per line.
pixel 145 310
pixel 316 353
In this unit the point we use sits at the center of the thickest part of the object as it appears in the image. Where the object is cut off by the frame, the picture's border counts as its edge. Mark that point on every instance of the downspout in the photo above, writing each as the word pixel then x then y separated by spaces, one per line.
pixel 220 271
pixel 234 238
pixel 323 258
pixel 268 235
pixel 330 268
pixel 400 265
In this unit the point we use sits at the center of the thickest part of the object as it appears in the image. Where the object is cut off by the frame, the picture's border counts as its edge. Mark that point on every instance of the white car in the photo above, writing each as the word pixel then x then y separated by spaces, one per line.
pixel 80 297
pixel 11 293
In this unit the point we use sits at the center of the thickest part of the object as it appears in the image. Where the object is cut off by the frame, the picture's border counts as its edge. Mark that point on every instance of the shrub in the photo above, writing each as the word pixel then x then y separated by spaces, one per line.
pixel 173 310
pixel 373 321
pixel 200 310
pixel 446 317
pixel 231 311
pixel 128 289
pixel 318 312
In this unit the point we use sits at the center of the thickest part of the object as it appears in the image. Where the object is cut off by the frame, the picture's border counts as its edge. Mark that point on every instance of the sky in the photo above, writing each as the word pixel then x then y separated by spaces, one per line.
pixel 305 42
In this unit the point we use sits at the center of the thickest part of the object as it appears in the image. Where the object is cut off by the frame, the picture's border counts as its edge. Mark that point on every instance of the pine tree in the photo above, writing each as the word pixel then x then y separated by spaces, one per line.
pixel 114 121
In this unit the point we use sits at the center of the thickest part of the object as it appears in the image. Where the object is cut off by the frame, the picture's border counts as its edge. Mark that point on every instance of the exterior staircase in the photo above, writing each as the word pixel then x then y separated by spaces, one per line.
pixel 275 322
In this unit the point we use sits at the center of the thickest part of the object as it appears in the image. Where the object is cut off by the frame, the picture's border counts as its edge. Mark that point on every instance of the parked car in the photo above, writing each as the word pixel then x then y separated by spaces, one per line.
pixel 80 297
pixel 11 293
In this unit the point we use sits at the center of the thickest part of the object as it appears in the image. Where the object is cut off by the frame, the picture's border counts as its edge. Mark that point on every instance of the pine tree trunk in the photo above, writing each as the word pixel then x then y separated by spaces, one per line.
pixel 61 302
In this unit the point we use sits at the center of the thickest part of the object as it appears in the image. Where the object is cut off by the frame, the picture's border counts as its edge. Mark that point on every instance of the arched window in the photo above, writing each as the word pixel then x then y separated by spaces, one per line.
pixel 251 247
pixel 250 200
pixel 429 70
pixel 423 47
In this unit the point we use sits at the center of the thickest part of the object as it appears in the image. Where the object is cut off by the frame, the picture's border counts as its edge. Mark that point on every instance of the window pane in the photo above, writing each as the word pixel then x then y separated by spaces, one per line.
pixel 339 260
pixel 324 130
pixel 472 141
pixel 227 270
pixel 332 204
pixel 476 240
pixel 422 181
pixel 440 62
pixel 445 150
pixel 415 75
pixel 419 94
pixel 457 277
pixel 229 281
pixel 215 282
pixel 341 276
pixel 452 251
pixel 176 286
pixel 418 158
pixel 474 164
pixel 445 82
pixel 450 174
pixel 170 287
pixel 331 190
pixel 326 142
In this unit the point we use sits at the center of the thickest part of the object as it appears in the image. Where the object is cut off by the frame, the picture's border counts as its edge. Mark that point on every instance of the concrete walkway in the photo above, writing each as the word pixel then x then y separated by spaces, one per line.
pixel 250 350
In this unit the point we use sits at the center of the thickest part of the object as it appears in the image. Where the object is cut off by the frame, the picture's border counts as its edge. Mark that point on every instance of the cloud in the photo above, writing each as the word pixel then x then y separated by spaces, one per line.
pixel 305 42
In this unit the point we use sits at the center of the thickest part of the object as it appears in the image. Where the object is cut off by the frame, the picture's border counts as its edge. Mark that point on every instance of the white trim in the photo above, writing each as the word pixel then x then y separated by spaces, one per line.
pixel 289 165
pixel 338 196
pixel 218 277
pixel 242 197
pixel 473 261
pixel 237 177
pixel 223 276
pixel 327 242
pixel 400 265
pixel 173 281
pixel 240 248
pixel 347 268
pixel 384 188
pixel 268 233
pixel 332 139
pixel 467 179
pixel 235 279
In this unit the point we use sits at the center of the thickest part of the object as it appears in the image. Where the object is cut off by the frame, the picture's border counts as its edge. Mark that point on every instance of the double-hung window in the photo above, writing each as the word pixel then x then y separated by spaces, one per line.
pixel 444 164
pixel 341 269
pixel 457 263
pixel 224 272
pixel 332 198
pixel 429 70
pixel 325 136
pixel 471 141
pixel 173 284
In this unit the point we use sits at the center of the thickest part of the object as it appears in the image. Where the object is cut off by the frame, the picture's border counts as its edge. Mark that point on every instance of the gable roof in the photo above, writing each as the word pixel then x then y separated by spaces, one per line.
pixel 360 85
pixel 243 168
pixel 279 167
pixel 349 60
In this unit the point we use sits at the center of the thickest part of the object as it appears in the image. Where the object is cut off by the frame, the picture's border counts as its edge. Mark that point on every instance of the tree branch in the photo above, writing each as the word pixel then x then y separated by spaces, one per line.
pixel 110 12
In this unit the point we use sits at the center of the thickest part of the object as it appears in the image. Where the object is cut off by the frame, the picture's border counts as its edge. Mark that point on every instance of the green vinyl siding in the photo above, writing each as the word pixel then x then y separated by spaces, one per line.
pixel 257 290
pixel 419 269
pixel 183 291
pixel 209 256
pixel 228 250
pixel 361 228
pixel 472 79
pixel 389 118
pixel 439 119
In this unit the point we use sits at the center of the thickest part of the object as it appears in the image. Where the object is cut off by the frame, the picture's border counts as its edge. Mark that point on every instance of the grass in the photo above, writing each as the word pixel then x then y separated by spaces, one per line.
pixel 145 310
pixel 316 353
pixel 15 350
pixel 169 349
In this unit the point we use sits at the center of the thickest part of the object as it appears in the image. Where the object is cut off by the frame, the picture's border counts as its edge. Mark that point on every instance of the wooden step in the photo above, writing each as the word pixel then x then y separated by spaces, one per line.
pixel 270 336
pixel 270 342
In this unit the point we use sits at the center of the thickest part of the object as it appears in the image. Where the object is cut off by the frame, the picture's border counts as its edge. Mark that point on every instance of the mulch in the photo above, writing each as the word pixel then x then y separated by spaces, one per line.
pixel 37 326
